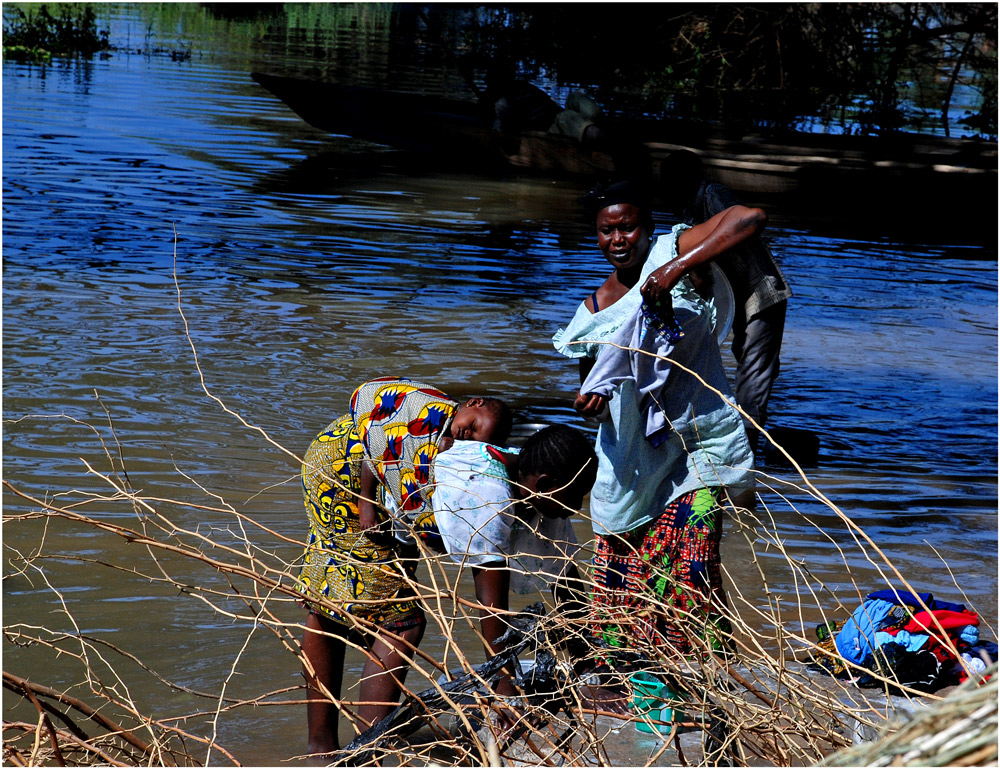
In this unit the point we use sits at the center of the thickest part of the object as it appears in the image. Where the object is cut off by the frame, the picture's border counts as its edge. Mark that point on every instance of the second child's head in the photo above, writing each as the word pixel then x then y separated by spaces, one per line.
pixel 557 468
pixel 682 172
pixel 482 419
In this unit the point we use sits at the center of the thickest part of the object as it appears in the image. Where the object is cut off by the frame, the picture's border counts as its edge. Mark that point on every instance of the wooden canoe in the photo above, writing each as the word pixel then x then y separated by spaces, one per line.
pixel 907 172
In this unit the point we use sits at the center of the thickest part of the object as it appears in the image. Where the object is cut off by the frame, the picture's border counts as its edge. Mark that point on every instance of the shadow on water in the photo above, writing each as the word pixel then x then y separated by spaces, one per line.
pixel 309 263
pixel 872 212
pixel 918 210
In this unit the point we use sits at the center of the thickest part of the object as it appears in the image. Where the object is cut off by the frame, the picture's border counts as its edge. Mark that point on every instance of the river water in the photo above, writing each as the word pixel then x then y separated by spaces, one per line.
pixel 308 263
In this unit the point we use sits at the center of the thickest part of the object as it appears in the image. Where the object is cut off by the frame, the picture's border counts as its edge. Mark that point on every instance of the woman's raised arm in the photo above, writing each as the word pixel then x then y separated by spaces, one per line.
pixel 701 244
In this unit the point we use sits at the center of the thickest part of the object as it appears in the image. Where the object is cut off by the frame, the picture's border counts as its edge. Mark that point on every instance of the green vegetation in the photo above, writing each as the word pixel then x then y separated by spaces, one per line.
pixel 37 35
pixel 872 67
pixel 867 68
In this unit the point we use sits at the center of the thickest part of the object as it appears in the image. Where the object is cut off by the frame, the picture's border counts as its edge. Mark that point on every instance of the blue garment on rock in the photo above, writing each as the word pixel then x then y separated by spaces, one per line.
pixel 905 597
pixel 854 641
pixel 912 642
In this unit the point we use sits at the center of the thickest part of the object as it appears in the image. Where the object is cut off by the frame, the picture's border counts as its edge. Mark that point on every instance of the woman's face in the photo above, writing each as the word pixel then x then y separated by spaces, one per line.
pixel 622 237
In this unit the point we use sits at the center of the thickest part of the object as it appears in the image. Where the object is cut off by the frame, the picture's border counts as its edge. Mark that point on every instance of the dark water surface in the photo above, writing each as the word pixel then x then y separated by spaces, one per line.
pixel 309 263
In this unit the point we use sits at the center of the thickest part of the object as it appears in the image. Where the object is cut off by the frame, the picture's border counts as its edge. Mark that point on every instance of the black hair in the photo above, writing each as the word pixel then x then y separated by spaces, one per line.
pixel 505 418
pixel 561 452
pixel 684 161
pixel 627 191
pixel 681 172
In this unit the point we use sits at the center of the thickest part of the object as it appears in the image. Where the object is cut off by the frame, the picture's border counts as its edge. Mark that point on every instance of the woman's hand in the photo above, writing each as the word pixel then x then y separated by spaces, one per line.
pixel 369 516
pixel 374 525
pixel 589 405
pixel 656 290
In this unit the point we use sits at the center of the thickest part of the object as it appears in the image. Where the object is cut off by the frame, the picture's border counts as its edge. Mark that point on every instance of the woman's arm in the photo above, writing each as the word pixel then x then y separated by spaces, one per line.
pixel 701 244
pixel 373 524
pixel 588 405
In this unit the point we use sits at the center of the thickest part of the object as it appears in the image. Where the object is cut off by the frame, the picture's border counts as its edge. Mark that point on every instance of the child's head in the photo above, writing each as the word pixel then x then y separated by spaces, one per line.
pixel 559 462
pixel 482 419
pixel 682 172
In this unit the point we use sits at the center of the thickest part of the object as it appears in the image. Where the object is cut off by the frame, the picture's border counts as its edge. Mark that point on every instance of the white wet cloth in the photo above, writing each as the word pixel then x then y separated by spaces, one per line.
pixel 700 441
pixel 475 512
pixel 477 516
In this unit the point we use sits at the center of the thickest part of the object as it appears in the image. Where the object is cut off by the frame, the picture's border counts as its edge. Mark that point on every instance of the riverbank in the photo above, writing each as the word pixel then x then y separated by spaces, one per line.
pixel 846 722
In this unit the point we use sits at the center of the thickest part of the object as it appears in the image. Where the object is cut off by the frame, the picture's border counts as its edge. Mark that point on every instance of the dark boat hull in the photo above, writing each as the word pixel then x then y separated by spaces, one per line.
pixel 918 174
pixel 408 121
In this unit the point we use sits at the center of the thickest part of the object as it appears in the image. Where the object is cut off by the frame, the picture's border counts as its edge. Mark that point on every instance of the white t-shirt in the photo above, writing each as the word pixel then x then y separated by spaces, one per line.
pixel 475 511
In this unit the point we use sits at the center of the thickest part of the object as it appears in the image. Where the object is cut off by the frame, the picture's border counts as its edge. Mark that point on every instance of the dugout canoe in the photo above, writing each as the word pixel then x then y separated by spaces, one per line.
pixel 907 172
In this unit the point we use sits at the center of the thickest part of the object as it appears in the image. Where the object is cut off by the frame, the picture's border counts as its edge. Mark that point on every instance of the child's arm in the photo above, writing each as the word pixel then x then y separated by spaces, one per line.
pixel 701 244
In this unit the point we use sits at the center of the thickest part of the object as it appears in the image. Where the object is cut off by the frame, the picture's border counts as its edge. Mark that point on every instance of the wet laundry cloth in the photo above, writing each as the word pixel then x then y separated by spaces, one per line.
pixel 855 639
pixel 975 664
pixel 706 446
pixel 912 642
pixel 903 597
pixel 907 598
pixel 893 641
pixel 641 352
pixel 938 619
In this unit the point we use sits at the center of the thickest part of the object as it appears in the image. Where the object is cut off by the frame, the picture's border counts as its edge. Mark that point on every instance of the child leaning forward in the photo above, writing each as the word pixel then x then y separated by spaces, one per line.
pixel 366 580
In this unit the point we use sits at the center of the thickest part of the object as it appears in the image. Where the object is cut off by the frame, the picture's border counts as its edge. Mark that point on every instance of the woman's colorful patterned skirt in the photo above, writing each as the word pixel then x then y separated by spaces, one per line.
pixel 659 587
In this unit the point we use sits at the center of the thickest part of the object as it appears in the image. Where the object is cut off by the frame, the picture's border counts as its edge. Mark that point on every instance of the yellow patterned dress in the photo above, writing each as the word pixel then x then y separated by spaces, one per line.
pixel 401 423
pixel 357 577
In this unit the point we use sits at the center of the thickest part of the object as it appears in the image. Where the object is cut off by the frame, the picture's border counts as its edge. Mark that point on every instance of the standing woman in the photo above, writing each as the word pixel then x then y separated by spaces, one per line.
pixel 657 502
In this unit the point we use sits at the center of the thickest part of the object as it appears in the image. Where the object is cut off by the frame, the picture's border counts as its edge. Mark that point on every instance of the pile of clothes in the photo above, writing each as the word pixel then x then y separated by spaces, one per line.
pixel 915 641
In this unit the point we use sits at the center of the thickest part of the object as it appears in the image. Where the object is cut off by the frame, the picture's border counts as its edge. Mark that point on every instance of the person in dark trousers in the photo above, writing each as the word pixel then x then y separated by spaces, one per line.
pixel 759 287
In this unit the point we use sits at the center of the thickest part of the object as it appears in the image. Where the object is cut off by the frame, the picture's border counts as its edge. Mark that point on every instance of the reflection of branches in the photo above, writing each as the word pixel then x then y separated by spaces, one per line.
pixel 117 745
pixel 15 683
pixel 767 708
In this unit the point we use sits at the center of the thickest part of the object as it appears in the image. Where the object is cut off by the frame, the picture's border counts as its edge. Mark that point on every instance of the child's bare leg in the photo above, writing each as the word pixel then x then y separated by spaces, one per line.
pixel 385 671
pixel 326 655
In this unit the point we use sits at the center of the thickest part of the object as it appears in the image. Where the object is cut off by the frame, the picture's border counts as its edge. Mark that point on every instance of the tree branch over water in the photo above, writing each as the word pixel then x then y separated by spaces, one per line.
pixel 757 65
